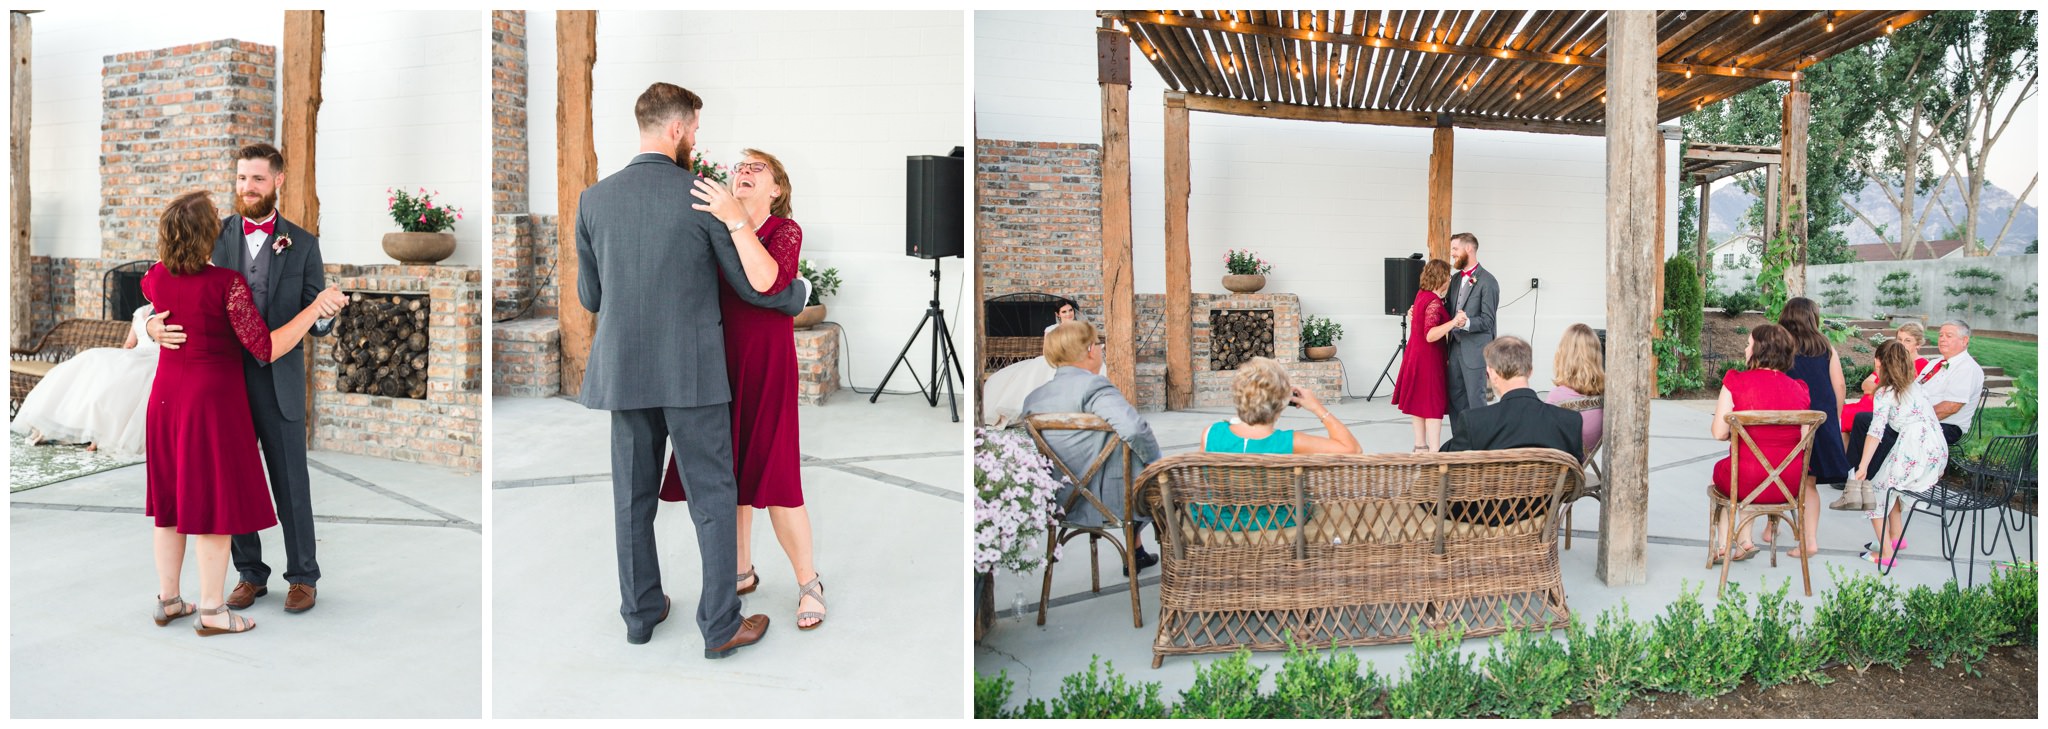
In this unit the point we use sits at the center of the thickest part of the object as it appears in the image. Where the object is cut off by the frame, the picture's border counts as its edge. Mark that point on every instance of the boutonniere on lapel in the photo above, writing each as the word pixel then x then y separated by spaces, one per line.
pixel 281 244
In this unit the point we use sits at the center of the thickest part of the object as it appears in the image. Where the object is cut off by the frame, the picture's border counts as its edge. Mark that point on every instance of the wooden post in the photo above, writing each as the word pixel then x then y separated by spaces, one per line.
pixel 1180 299
pixel 1792 191
pixel 298 112
pixel 1633 148
pixel 575 169
pixel 21 298
pixel 1770 202
pixel 1119 302
pixel 1706 263
pixel 1440 153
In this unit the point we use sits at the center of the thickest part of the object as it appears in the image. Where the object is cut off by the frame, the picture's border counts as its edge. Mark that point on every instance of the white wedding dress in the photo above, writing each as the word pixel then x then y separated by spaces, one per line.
pixel 1002 396
pixel 99 396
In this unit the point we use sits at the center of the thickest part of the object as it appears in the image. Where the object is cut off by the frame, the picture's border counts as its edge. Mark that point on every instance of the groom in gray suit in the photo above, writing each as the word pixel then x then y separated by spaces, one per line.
pixel 649 265
pixel 1476 297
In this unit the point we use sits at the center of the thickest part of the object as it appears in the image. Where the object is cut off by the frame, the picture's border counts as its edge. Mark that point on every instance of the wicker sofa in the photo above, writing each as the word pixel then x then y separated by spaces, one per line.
pixel 71 336
pixel 1390 541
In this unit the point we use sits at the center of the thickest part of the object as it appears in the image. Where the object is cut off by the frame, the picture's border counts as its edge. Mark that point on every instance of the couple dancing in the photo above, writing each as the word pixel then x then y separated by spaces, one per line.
pixel 694 347
pixel 1443 371
pixel 232 299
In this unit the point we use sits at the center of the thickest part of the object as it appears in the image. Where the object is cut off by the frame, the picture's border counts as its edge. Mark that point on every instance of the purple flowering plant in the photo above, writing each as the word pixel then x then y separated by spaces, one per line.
pixel 1014 506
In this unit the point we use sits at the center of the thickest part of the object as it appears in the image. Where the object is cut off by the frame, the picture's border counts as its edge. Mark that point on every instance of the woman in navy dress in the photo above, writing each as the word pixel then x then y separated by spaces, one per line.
pixel 205 474
pixel 1818 367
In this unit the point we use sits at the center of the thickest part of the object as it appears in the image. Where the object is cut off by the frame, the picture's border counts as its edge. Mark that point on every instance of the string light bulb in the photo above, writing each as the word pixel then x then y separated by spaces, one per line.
pixel 1688 72
pixel 1756 17
pixel 1831 25
pixel 1558 94
pixel 1887 28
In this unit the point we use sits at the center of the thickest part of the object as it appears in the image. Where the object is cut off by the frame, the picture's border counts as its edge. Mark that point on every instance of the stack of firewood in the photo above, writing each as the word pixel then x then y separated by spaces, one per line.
pixel 1237 336
pixel 381 345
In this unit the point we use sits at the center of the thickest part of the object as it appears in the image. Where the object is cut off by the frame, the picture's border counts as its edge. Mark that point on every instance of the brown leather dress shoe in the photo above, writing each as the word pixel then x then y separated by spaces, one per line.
pixel 245 594
pixel 642 638
pixel 750 632
pixel 299 599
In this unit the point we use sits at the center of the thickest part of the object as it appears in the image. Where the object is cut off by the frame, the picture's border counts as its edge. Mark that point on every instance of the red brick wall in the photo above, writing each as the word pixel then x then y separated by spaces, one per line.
pixel 509 158
pixel 1038 219
pixel 444 428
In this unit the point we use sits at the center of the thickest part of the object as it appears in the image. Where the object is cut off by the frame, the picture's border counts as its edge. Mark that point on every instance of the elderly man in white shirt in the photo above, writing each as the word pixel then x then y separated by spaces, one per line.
pixel 1952 383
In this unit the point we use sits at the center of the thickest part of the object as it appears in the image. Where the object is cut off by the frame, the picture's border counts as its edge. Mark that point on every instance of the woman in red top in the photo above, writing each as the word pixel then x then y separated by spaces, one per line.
pixel 205 477
pixel 760 361
pixel 1419 389
pixel 1913 337
pixel 1764 386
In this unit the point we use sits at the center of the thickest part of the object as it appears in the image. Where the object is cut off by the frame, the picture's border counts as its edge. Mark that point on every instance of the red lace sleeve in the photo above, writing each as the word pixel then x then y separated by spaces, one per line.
pixel 248 324
pixel 786 245
pixel 1434 315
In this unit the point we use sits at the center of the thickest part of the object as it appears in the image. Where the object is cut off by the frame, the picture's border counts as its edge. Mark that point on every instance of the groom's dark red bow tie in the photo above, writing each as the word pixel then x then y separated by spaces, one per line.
pixel 266 226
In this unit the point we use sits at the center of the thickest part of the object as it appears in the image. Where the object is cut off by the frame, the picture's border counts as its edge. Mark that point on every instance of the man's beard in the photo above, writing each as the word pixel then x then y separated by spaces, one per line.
pixel 1460 262
pixel 683 151
pixel 257 210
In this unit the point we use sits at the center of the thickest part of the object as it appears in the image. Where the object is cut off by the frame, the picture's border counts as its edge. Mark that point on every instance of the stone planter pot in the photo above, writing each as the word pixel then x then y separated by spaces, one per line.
pixel 984 605
pixel 419 249
pixel 810 316
pixel 1244 283
pixel 1318 354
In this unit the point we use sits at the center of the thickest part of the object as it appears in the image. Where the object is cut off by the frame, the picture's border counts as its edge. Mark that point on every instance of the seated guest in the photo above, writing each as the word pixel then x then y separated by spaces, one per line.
pixel 100 396
pixel 1950 383
pixel 1261 391
pixel 1913 337
pixel 1002 395
pixel 1518 420
pixel 1074 353
pixel 1580 374
pixel 1766 385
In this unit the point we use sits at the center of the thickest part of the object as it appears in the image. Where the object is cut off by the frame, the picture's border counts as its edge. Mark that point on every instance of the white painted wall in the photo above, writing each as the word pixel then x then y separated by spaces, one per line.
pixel 402 92
pixel 840 98
pixel 1325 203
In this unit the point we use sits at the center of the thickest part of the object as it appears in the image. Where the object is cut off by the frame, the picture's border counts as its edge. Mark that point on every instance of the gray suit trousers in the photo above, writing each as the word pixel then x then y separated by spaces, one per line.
pixel 703 441
pixel 284 456
pixel 1467 385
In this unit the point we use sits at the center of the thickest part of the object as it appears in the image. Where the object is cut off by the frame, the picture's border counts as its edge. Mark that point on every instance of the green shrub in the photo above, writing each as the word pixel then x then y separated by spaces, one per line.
pixel 1225 689
pixel 1953 623
pixel 1441 682
pixel 1607 661
pixel 1858 622
pixel 1853 374
pixel 1314 685
pixel 2017 593
pixel 1531 674
pixel 1684 300
pixel 2031 301
pixel 1781 654
pixel 1692 655
pixel 1839 295
pixel 1898 290
pixel 992 696
pixel 1094 696
pixel 1319 331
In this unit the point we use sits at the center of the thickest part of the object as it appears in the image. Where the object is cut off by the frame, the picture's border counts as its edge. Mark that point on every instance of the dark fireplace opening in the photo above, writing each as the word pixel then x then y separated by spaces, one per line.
pixel 1237 336
pixel 381 345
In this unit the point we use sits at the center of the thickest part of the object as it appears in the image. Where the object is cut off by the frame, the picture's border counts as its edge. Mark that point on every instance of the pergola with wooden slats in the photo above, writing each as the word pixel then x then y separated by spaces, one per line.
pixel 1615 74
pixel 1707 163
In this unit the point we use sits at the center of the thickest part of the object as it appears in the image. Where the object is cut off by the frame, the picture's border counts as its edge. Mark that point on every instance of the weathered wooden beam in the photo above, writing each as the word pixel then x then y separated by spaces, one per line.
pixel 1420 46
pixel 575 169
pixel 1792 188
pixel 1770 202
pixel 298 93
pixel 1440 172
pixel 1706 263
pixel 21 295
pixel 1180 300
pixel 1633 150
pixel 1119 300
pixel 1417 119
pixel 1731 156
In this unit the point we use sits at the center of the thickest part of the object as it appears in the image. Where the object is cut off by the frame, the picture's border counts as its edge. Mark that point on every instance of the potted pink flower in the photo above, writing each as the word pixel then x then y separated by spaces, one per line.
pixel 422 238
pixel 1245 271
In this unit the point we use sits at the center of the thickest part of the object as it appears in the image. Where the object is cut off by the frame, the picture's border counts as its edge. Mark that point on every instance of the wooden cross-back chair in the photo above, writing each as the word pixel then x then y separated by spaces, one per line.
pixel 1596 480
pixel 1119 527
pixel 1731 514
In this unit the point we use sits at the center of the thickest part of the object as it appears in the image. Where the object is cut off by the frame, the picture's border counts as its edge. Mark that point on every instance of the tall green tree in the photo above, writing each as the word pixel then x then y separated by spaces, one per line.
pixel 1996 71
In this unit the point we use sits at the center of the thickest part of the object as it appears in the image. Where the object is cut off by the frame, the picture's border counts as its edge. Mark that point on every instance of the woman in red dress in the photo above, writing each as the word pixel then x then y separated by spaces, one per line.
pixel 1419 390
pixel 760 360
pixel 205 475
pixel 1764 386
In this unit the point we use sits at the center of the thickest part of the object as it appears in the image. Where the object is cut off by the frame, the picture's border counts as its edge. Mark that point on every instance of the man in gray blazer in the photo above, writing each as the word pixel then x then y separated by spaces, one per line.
pixel 648 266
pixel 282 263
pixel 1475 295
pixel 1071 348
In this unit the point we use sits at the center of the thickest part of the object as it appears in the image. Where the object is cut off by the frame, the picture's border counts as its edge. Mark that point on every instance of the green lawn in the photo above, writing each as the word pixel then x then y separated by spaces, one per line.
pixel 2018 358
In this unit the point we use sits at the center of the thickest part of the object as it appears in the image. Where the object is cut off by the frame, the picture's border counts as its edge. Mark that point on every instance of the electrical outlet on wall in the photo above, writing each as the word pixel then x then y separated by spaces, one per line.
pixel 1534 281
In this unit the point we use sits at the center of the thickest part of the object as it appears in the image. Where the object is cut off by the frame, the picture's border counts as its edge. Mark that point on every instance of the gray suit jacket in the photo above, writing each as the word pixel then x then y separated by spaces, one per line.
pixel 1075 390
pixel 296 279
pixel 1479 311
pixel 648 265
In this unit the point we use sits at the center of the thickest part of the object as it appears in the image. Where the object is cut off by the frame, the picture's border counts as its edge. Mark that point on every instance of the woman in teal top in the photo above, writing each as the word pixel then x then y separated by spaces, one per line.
pixel 1261 390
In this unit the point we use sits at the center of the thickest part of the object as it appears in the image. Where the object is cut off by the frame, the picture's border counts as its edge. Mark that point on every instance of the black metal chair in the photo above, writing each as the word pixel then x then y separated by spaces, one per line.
pixel 2023 503
pixel 2008 461
pixel 1958 464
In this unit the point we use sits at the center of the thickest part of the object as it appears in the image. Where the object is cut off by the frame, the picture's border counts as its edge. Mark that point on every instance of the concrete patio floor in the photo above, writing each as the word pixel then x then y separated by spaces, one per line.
pixel 884 491
pixel 1081 624
pixel 397 631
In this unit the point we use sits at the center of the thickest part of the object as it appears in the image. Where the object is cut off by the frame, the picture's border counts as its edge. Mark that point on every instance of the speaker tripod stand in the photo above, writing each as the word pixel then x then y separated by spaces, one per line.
pixel 1387 372
pixel 945 361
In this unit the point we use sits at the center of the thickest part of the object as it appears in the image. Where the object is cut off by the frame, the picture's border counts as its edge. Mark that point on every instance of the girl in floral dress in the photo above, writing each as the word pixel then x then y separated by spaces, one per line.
pixel 1917 459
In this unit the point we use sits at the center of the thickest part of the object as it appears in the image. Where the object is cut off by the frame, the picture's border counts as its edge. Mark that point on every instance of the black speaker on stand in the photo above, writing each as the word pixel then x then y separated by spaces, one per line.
pixel 934 202
pixel 1404 281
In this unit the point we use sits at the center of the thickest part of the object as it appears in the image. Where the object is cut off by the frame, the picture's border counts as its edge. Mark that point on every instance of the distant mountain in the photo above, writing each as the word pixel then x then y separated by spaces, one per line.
pixel 1731 204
